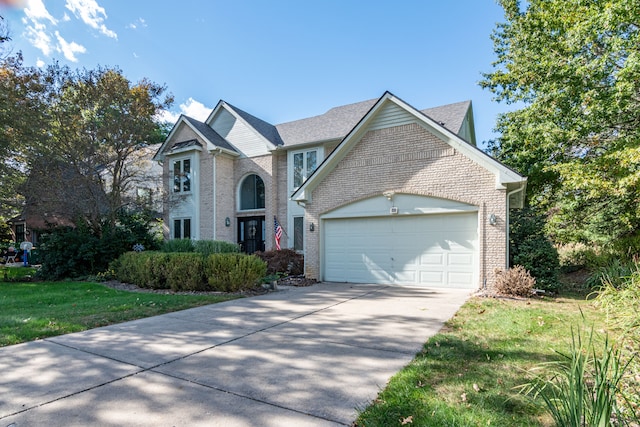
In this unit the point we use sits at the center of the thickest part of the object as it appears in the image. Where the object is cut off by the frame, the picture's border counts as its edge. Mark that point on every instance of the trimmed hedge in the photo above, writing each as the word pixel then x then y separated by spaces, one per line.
pixel 189 271
pixel 233 272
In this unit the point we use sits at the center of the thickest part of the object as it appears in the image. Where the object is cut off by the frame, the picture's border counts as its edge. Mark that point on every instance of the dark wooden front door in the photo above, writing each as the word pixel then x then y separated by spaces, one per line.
pixel 251 232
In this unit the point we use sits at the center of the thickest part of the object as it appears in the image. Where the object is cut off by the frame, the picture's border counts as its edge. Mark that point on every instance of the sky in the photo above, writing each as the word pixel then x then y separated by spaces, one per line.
pixel 279 60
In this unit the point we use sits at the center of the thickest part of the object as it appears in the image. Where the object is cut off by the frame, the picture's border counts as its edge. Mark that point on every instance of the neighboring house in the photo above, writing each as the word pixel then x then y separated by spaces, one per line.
pixel 372 192
pixel 54 206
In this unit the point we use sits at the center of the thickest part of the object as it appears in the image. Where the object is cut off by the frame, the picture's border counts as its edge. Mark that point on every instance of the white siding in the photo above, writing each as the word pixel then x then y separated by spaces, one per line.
pixel 242 137
pixel 391 115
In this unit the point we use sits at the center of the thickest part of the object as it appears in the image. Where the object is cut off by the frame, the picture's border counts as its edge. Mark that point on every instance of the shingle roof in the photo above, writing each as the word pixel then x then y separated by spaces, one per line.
pixel 450 116
pixel 265 129
pixel 213 136
pixel 334 124
pixel 337 122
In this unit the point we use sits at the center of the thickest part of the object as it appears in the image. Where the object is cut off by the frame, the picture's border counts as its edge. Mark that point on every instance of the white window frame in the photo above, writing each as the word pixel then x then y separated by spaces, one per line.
pixel 181 161
pixel 182 220
pixel 305 169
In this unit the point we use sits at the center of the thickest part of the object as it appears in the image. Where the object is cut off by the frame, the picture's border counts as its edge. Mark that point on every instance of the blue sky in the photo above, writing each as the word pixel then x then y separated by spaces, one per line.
pixel 279 60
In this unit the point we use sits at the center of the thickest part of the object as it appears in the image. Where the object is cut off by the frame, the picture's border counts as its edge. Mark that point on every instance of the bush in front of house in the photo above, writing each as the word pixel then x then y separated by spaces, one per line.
pixel 208 247
pixel 145 269
pixel 516 281
pixel 234 272
pixel 286 262
pixel 82 251
pixel 185 272
pixel 530 247
pixel 204 247
pixel 190 271
pixel 177 245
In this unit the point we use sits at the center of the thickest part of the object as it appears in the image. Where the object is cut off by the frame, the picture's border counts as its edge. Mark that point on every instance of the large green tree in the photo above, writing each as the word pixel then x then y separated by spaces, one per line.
pixel 77 135
pixel 572 67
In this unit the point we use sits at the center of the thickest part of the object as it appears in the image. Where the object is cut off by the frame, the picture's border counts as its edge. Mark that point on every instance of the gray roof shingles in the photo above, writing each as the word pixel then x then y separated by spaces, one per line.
pixel 213 136
pixel 335 124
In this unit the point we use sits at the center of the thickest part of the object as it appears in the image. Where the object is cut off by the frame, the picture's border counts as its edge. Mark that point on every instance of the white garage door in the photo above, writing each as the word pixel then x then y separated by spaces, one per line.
pixel 426 250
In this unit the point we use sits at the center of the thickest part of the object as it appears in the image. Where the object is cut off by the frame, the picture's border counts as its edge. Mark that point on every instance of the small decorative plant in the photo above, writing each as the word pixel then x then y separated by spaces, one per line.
pixel 515 281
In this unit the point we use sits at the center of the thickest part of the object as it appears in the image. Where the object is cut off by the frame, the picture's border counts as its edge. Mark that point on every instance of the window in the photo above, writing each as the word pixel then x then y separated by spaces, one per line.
pixel 252 193
pixel 182 228
pixel 144 196
pixel 298 233
pixel 304 163
pixel 20 234
pixel 182 175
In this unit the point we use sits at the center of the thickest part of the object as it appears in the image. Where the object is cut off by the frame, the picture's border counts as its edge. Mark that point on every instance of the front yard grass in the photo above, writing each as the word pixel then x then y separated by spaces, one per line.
pixel 30 311
pixel 468 374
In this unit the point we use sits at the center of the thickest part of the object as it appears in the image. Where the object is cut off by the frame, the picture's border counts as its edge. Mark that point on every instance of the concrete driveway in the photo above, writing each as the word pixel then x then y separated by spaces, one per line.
pixel 298 357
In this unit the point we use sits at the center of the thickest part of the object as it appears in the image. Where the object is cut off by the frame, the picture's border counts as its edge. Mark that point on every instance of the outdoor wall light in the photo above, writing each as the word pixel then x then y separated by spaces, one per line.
pixel 389 194
pixel 227 222
pixel 312 227
pixel 493 220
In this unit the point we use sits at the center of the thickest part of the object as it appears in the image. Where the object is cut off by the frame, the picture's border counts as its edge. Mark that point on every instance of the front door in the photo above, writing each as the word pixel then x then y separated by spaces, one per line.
pixel 251 231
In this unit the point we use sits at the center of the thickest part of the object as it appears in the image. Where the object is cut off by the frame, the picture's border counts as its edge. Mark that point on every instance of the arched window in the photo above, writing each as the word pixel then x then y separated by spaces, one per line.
pixel 252 193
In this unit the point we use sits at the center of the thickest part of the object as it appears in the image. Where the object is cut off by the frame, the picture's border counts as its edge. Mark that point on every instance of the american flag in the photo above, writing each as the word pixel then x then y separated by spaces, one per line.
pixel 277 229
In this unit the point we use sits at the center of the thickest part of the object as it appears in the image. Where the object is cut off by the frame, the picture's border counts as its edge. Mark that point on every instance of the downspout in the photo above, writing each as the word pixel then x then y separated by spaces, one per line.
pixel 215 205
pixel 509 194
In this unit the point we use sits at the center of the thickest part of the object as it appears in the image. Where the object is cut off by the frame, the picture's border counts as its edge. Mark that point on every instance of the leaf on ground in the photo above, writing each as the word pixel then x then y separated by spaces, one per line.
pixel 408 420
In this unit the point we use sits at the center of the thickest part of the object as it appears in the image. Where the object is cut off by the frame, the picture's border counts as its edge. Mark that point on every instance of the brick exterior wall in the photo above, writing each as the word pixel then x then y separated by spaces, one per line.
pixel 263 167
pixel 409 159
pixel 225 198
pixel 406 159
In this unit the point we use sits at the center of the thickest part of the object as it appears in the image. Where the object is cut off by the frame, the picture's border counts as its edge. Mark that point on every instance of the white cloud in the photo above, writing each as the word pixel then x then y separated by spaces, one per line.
pixel 69 50
pixel 138 23
pixel 36 15
pixel 40 63
pixel 91 14
pixel 38 36
pixel 36 11
pixel 191 108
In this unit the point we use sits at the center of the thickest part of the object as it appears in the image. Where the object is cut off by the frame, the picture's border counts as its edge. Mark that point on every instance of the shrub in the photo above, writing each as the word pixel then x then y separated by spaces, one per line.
pixel 615 273
pixel 620 300
pixel 177 245
pixel 529 247
pixel 208 247
pixel 67 252
pixel 286 261
pixel 146 269
pixel 185 272
pixel 515 281
pixel 234 272
pixel 190 271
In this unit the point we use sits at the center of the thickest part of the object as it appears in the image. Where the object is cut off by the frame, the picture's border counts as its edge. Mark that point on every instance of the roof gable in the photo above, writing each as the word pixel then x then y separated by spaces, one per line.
pixel 211 138
pixel 392 111
pixel 246 133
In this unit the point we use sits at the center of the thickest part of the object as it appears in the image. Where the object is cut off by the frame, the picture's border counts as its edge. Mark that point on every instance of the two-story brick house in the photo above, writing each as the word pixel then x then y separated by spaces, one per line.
pixel 372 192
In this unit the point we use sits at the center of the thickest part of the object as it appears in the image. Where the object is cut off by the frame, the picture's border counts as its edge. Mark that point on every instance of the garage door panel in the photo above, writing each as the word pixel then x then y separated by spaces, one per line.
pixel 427 250
pixel 460 259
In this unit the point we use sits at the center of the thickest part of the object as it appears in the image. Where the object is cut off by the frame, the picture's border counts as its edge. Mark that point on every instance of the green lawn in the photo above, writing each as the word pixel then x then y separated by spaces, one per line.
pixel 29 311
pixel 467 375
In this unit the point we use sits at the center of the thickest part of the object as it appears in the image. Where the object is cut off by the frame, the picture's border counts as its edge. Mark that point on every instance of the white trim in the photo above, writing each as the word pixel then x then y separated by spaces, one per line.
pixel 240 211
pixel 503 174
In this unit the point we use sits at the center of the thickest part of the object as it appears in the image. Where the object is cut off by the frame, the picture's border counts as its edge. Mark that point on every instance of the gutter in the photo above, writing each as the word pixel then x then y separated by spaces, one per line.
pixel 517 190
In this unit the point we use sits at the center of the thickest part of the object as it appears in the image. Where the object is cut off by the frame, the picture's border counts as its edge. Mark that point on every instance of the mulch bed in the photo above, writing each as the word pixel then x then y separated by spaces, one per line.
pixel 285 281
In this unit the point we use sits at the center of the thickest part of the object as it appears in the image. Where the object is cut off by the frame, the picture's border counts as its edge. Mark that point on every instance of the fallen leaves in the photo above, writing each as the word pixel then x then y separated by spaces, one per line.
pixel 408 420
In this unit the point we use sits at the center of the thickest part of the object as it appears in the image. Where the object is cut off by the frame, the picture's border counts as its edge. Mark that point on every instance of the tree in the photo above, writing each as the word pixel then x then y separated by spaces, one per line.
pixel 20 123
pixel 97 123
pixel 574 66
